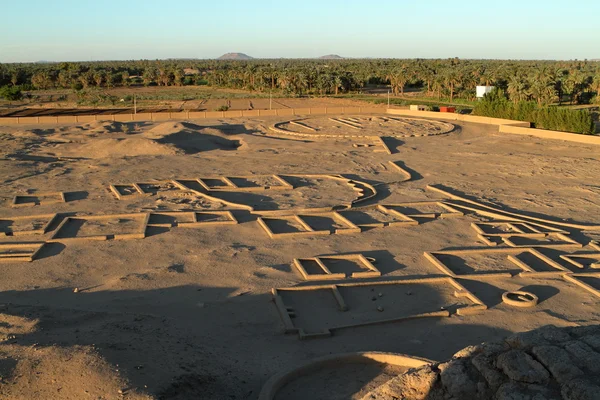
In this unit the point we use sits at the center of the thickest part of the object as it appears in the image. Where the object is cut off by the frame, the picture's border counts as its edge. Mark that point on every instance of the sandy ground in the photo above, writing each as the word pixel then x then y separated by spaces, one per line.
pixel 187 313
pixel 174 98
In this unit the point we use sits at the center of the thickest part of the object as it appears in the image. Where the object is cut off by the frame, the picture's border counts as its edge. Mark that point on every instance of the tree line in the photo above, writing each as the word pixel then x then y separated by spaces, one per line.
pixel 497 105
pixel 543 82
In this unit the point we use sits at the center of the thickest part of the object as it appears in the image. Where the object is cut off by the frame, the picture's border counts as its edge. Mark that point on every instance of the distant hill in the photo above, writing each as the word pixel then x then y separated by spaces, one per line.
pixel 331 57
pixel 235 56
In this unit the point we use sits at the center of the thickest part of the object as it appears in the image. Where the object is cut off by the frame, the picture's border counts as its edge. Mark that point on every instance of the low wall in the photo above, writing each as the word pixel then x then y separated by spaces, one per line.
pixel 458 117
pixel 504 125
pixel 545 134
pixel 287 112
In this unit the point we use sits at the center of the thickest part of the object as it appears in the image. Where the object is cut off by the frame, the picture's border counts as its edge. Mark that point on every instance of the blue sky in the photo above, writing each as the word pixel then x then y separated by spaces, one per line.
pixel 81 30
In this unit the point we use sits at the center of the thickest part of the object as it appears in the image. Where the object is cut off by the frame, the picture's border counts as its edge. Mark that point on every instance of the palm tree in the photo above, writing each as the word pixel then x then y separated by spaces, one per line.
pixel 398 79
pixel 99 77
pixel 596 86
pixel 41 80
pixel 542 85
pixel 438 85
pixel 150 75
pixel 518 88
pixel 125 78
pixel 452 79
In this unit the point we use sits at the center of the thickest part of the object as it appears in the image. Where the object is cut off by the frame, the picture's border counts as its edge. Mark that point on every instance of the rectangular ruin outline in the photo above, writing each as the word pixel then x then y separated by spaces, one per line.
pixel 60 198
pixel 193 216
pixel 232 187
pixel 402 220
pixel 231 220
pixel 115 190
pixel 485 236
pixel 573 279
pixel 527 270
pixel 494 212
pixel 451 211
pixel 309 230
pixel 570 243
pixel 405 220
pixel 570 258
pixel 349 229
pixel 274 235
pixel 35 247
pixel 138 235
pixel 486 240
pixel 51 218
pixel 179 183
pixel 477 226
pixel 286 313
pixel 228 184
pixel 174 214
pixel 139 191
pixel 372 271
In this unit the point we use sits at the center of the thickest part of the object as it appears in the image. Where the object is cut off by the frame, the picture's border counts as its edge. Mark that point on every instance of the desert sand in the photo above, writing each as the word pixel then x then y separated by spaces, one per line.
pixel 189 313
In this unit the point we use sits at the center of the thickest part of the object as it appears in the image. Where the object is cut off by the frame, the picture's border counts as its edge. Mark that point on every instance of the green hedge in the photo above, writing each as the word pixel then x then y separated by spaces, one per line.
pixel 11 93
pixel 496 105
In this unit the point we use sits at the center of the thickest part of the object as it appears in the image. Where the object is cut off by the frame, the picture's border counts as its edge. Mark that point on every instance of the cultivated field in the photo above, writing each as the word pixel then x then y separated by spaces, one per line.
pixel 155 279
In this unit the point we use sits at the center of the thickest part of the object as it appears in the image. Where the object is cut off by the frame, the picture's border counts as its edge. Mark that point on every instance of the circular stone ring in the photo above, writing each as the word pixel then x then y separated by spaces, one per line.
pixel 520 299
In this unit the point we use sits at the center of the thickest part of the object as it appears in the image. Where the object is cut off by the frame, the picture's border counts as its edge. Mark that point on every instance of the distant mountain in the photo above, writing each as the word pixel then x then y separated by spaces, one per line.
pixel 235 56
pixel 331 57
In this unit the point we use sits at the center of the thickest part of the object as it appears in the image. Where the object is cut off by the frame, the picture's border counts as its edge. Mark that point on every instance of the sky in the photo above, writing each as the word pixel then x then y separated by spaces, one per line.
pixel 84 30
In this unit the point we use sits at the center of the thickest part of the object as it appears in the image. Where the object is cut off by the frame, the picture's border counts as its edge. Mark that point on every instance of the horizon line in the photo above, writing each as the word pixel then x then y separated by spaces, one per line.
pixel 296 58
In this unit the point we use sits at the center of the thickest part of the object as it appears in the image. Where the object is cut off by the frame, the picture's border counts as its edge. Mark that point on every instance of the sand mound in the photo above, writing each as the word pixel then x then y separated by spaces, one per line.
pixel 104 127
pixel 192 142
pixel 129 147
pixel 33 371
pixel 165 129
pixel 190 138
pixel 24 134
pixel 52 372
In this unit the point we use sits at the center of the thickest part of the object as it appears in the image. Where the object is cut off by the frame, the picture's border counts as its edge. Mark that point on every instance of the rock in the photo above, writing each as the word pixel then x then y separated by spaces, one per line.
pixel 462 382
pixel 413 385
pixel 468 351
pixel 580 389
pixel 592 341
pixel 564 364
pixel 545 335
pixel 523 391
pixel 553 334
pixel 520 366
pixel 485 366
pixel 584 356
pixel 558 362
pixel 579 331
pixel 493 349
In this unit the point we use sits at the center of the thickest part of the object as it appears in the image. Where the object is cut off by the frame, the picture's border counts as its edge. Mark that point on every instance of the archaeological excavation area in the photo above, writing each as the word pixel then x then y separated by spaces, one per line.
pixel 296 256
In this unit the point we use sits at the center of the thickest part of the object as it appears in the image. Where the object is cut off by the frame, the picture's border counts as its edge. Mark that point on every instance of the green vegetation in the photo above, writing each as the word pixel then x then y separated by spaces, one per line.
pixel 11 93
pixel 453 80
pixel 531 88
pixel 497 105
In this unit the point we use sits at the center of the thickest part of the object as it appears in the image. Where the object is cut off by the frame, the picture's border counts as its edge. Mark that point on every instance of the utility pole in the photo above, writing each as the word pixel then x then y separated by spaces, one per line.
pixel 388 99
pixel 270 100
pixel 135 105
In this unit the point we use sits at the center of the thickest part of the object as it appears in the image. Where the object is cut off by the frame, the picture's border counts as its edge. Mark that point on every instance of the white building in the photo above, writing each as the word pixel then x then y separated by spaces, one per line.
pixel 482 90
